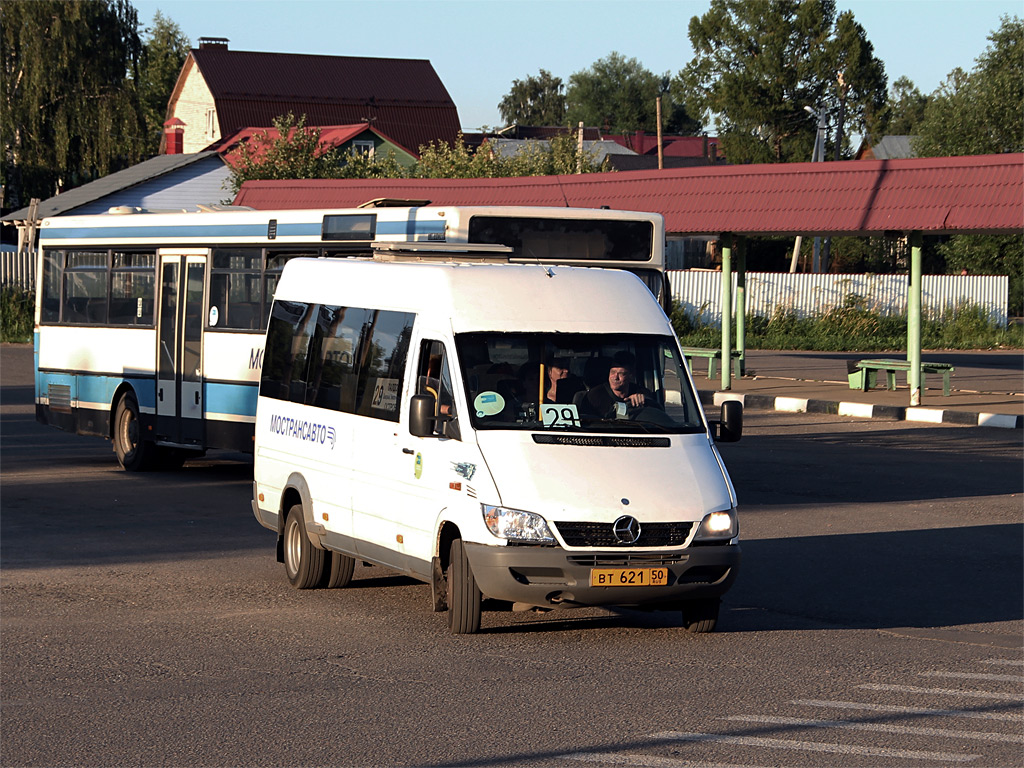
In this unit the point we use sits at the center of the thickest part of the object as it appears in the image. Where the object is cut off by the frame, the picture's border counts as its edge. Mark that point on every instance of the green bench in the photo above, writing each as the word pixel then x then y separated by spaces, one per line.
pixel 864 373
pixel 713 356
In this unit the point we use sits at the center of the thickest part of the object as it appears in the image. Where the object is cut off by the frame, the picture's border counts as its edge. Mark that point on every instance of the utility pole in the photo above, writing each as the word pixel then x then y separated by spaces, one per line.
pixel 817 155
pixel 843 87
pixel 661 153
pixel 579 150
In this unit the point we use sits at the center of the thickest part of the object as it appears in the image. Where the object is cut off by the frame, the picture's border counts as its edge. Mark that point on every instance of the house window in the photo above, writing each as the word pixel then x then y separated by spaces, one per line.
pixel 362 147
pixel 211 123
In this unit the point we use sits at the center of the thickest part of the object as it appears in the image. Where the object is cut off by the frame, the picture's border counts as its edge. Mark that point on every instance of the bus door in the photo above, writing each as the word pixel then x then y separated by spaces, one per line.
pixel 179 370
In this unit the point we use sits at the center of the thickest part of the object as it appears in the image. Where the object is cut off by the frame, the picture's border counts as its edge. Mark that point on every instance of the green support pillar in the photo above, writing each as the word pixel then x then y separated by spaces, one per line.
pixel 726 240
pixel 741 303
pixel 914 296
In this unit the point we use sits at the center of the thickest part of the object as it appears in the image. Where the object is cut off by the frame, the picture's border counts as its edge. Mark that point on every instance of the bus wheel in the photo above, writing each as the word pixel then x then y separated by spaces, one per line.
pixel 463 594
pixel 133 453
pixel 303 563
pixel 700 616
pixel 338 570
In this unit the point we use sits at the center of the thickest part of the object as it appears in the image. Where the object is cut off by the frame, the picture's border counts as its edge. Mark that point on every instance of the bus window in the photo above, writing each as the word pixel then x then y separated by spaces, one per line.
pixel 272 273
pixel 52 280
pixel 235 288
pixel 85 287
pixel 132 288
pixel 551 239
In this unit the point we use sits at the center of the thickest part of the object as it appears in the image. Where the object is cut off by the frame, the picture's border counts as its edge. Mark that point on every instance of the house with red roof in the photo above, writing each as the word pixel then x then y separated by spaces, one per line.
pixel 220 92
pixel 359 138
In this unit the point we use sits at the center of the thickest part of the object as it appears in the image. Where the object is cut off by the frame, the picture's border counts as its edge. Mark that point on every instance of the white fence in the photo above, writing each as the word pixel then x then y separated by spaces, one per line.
pixel 17 269
pixel 700 293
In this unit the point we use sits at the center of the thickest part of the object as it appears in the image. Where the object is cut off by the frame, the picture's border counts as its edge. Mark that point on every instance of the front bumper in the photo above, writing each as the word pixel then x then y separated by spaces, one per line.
pixel 552 576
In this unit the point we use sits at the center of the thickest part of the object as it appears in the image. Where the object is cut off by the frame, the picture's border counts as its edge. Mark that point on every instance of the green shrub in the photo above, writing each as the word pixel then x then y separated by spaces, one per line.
pixel 854 328
pixel 16 314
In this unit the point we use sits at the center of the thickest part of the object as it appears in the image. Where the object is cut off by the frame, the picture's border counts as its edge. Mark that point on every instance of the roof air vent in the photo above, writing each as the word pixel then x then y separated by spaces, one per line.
pixel 214 42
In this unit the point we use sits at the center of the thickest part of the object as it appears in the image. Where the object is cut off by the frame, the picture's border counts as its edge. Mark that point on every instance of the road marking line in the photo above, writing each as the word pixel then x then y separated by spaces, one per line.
pixel 904 730
pixel 1008 662
pixel 976 676
pixel 944 692
pixel 816 746
pixel 1011 716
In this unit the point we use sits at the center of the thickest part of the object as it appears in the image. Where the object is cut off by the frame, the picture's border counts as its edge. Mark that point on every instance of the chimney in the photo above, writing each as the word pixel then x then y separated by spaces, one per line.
pixel 214 42
pixel 174 136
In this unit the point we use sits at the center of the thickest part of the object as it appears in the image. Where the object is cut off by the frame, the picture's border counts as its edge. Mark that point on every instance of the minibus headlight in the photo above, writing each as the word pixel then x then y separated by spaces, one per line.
pixel 516 525
pixel 718 525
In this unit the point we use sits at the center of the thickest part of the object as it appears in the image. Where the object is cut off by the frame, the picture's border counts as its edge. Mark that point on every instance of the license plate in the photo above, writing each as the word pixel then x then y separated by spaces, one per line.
pixel 628 577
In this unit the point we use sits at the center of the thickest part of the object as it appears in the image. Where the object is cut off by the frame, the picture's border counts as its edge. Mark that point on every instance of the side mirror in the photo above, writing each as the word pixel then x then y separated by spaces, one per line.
pixel 421 415
pixel 730 428
pixel 423 422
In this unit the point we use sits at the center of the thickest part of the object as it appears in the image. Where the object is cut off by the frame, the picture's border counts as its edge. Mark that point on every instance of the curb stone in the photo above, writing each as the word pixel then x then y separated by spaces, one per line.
pixel 865 410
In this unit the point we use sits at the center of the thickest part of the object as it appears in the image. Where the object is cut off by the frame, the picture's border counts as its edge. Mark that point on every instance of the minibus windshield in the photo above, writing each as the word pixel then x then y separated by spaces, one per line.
pixel 578 382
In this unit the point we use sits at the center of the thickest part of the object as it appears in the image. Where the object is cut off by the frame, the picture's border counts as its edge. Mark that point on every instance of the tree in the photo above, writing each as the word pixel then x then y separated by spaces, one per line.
pixel 70 110
pixel 163 54
pixel 904 109
pixel 759 63
pixel 536 100
pixel 616 94
pixel 291 150
pixel 982 112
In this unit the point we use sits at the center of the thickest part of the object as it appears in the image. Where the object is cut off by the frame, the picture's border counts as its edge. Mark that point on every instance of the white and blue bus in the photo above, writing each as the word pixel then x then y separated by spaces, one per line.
pixel 149 326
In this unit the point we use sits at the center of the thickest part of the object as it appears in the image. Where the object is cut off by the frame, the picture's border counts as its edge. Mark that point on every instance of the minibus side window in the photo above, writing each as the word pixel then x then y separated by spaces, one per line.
pixel 287 349
pixel 382 353
pixel 333 380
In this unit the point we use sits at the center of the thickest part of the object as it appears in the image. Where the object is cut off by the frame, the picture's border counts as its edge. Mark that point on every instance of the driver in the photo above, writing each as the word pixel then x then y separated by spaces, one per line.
pixel 621 387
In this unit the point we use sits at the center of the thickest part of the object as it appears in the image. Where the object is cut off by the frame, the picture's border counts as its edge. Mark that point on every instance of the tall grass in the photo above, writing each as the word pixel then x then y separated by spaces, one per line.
pixel 16 313
pixel 854 328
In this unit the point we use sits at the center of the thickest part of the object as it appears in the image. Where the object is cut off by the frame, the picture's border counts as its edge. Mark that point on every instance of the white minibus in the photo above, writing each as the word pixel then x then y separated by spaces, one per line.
pixel 523 434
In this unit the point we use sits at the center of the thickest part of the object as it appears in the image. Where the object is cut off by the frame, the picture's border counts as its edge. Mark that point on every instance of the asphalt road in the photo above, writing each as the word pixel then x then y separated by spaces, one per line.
pixel 877 621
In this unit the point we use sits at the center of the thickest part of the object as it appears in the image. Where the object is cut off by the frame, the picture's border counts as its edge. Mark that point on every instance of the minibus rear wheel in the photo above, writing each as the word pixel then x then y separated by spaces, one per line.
pixel 338 570
pixel 303 563
pixel 701 616
pixel 464 596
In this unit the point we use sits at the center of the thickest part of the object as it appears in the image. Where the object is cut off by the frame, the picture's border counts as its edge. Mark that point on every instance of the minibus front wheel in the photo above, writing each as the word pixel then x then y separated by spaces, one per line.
pixel 464 596
pixel 303 563
pixel 700 616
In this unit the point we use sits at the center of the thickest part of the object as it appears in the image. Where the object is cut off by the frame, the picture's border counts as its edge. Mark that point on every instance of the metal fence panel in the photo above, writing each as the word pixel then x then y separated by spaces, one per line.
pixel 18 269
pixel 699 292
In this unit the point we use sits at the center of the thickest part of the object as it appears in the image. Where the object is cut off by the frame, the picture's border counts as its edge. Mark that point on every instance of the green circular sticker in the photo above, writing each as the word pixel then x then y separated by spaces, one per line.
pixel 489 404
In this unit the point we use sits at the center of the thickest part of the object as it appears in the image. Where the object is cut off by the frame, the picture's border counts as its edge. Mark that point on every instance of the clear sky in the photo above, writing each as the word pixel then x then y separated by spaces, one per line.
pixel 479 47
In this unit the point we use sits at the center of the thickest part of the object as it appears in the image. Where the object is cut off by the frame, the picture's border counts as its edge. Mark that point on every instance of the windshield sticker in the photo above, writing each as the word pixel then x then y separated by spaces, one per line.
pixel 385 395
pixel 560 416
pixel 489 404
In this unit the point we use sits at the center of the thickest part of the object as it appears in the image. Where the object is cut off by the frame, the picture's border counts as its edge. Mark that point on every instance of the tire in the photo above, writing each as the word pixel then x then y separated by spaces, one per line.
pixel 338 569
pixel 701 616
pixel 303 563
pixel 464 596
pixel 133 453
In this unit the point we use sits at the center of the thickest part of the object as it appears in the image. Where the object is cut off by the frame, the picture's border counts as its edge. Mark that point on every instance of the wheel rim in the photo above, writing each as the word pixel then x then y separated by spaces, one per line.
pixel 128 431
pixel 292 547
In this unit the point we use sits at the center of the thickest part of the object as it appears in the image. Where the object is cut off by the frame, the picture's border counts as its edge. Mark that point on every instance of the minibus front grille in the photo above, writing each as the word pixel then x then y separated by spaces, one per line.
pixel 603 534
pixel 603 440
pixel 629 561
